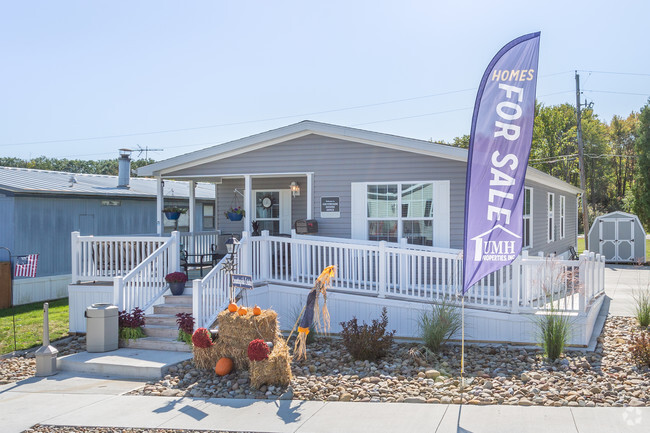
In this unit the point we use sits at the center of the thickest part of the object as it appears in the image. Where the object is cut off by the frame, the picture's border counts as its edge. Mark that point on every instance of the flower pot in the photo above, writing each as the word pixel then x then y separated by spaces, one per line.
pixel 177 288
pixel 172 215
pixel 232 216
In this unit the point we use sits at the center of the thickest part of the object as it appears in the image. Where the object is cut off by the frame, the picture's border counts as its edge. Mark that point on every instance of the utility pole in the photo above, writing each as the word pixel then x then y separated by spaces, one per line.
pixel 581 159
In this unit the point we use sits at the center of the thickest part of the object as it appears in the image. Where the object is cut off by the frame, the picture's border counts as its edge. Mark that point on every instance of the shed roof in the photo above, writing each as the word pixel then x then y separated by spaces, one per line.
pixel 307 127
pixel 32 181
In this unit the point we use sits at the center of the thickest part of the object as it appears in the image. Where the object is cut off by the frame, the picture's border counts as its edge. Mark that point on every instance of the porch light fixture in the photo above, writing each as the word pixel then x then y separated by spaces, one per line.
pixel 232 245
pixel 295 189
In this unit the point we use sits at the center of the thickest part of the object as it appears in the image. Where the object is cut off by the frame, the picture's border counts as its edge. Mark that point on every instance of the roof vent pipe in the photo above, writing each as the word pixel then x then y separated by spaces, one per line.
pixel 124 168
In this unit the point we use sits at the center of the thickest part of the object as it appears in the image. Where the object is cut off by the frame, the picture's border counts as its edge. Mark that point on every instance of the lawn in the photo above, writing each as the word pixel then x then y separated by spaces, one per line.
pixel 29 325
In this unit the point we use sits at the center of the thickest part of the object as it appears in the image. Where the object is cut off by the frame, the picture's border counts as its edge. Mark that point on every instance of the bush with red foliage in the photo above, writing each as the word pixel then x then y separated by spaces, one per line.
pixel 134 319
pixel 201 338
pixel 640 348
pixel 258 350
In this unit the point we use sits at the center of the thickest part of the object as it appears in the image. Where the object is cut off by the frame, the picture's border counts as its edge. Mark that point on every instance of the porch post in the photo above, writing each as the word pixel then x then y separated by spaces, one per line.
pixel 216 209
pixel 381 269
pixel 76 257
pixel 245 254
pixel 159 205
pixel 192 240
pixel 310 195
pixel 403 265
pixel 265 255
pixel 175 253
pixel 247 202
pixel 197 300
pixel 583 280
pixel 516 286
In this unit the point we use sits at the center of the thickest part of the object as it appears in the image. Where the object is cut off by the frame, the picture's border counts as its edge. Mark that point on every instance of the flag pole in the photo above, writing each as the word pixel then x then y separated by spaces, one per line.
pixel 462 348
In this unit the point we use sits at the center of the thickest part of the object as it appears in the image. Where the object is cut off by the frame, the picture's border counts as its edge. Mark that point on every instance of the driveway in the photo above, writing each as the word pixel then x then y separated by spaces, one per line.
pixel 621 283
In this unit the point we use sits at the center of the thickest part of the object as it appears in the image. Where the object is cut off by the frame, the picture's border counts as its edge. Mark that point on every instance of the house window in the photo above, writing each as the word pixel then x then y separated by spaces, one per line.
pixel 267 211
pixel 400 210
pixel 562 219
pixel 528 218
pixel 208 216
pixel 551 217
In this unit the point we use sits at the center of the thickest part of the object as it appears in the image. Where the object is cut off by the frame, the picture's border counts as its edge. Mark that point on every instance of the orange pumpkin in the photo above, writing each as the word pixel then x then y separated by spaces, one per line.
pixel 223 367
pixel 243 311
pixel 232 307
pixel 257 311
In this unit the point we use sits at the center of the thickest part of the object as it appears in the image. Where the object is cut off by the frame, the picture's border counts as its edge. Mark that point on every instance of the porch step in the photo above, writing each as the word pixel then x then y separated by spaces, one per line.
pixel 124 363
pixel 161 331
pixel 172 309
pixel 158 344
pixel 184 299
pixel 160 319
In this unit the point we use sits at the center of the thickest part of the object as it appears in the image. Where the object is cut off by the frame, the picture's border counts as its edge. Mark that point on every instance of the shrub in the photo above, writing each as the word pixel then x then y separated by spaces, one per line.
pixel 367 342
pixel 642 310
pixel 258 350
pixel 185 323
pixel 130 324
pixel 201 338
pixel 640 349
pixel 554 330
pixel 176 277
pixel 439 326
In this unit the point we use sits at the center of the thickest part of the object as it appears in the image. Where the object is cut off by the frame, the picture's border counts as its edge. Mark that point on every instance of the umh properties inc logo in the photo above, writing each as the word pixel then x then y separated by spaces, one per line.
pixel 502 250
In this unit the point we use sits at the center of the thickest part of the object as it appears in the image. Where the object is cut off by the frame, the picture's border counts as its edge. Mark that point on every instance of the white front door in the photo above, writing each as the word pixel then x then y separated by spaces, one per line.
pixel 272 210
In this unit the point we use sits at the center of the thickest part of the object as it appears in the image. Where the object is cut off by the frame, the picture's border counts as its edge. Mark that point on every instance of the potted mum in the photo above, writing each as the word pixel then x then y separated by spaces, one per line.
pixel 173 212
pixel 176 282
pixel 235 214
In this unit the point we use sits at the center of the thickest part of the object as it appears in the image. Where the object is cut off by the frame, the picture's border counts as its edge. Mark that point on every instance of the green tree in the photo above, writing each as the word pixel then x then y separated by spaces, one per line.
pixel 103 166
pixel 623 135
pixel 641 188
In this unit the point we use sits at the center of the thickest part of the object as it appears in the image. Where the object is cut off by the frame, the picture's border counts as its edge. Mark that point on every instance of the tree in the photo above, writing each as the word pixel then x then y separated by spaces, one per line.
pixel 623 135
pixel 641 188
pixel 103 166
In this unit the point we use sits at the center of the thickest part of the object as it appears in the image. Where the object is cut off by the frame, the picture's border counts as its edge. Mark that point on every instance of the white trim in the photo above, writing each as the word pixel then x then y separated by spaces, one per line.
pixel 529 218
pixel 550 217
pixel 310 195
pixel 284 209
pixel 562 216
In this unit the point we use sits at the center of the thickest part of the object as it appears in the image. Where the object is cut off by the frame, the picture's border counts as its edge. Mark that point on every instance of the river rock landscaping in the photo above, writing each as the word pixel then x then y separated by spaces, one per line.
pixel 494 374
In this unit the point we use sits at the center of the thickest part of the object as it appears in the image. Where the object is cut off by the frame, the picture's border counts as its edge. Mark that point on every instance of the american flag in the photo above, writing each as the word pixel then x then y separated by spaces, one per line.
pixel 26 266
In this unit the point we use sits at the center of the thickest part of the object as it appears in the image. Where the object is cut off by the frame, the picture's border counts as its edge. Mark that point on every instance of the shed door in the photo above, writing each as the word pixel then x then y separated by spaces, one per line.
pixel 616 239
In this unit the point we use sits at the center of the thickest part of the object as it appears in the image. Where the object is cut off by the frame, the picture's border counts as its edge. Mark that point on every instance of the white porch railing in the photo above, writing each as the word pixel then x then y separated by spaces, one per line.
pixel 211 294
pixel 418 273
pixel 145 284
pixel 200 242
pixel 102 258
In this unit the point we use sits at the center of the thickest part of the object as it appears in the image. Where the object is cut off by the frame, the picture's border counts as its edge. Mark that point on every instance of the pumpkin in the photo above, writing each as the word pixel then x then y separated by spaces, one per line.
pixel 232 307
pixel 223 367
pixel 243 311
pixel 257 311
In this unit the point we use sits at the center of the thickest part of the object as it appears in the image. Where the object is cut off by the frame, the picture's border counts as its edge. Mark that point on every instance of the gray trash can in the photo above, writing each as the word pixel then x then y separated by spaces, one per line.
pixel 101 328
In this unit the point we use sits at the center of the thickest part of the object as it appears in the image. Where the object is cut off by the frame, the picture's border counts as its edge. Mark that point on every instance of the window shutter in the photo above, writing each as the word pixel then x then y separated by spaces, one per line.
pixel 441 214
pixel 358 223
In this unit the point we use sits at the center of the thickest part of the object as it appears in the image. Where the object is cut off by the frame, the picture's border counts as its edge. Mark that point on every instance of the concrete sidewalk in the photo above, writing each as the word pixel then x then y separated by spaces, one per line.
pixel 622 282
pixel 64 399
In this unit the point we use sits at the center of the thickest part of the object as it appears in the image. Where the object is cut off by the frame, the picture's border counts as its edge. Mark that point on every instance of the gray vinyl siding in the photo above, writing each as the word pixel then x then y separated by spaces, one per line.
pixel 540 220
pixel 7 234
pixel 335 164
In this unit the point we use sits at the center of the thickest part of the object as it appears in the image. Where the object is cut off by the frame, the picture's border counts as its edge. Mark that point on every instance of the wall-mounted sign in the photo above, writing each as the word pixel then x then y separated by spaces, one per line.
pixel 111 203
pixel 242 281
pixel 329 207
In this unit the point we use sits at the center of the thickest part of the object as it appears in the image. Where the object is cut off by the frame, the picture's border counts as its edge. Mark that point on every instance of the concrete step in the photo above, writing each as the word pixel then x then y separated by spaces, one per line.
pixel 157 343
pixel 172 309
pixel 160 319
pixel 123 363
pixel 161 331
pixel 184 299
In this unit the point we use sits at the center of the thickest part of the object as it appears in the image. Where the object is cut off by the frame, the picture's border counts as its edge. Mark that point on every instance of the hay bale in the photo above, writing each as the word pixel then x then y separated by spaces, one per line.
pixel 273 371
pixel 236 332
pixel 205 357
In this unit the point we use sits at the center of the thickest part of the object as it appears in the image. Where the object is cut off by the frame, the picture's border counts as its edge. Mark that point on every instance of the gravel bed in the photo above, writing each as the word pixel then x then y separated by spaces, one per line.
pixel 494 374
pixel 23 365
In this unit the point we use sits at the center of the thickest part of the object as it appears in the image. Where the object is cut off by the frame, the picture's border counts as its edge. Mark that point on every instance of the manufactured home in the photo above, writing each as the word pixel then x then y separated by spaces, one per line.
pixel 388 211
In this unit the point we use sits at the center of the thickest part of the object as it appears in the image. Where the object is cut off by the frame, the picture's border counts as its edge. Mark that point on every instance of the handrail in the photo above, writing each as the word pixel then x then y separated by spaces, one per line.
pixel 145 283
pixel 210 295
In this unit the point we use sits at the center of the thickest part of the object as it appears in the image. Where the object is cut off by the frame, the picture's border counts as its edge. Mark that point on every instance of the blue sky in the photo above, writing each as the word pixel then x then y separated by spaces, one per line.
pixel 212 71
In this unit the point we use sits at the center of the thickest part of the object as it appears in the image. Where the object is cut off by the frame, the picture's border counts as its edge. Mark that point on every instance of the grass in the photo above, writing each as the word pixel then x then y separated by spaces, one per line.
pixel 439 325
pixel 642 308
pixel 581 245
pixel 554 331
pixel 29 325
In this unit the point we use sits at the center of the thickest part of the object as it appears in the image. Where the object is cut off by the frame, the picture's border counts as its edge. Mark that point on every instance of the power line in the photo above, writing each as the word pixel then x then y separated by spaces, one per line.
pixel 616 93
pixel 615 73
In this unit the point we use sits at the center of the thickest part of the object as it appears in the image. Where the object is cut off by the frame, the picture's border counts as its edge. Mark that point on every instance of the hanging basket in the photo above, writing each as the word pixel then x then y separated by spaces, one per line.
pixel 232 216
pixel 172 215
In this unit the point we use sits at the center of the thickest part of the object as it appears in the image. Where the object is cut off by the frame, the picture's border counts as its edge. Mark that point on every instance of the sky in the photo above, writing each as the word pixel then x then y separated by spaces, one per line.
pixel 80 80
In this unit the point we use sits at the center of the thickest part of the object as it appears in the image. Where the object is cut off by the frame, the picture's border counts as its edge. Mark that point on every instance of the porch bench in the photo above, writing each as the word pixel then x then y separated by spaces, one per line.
pixel 199 261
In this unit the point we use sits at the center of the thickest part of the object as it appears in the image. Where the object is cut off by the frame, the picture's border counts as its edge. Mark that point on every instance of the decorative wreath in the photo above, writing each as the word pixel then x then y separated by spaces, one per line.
pixel 267 201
